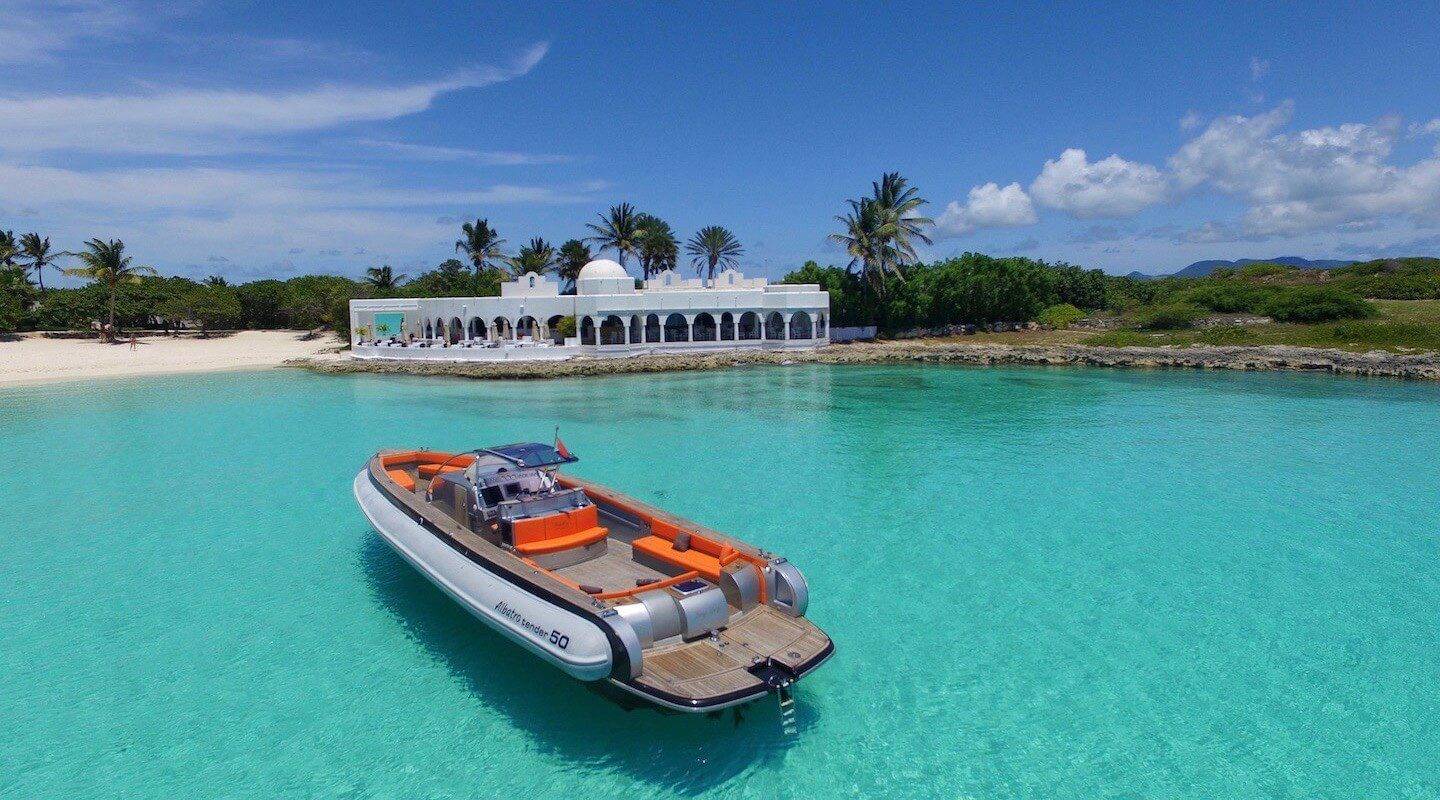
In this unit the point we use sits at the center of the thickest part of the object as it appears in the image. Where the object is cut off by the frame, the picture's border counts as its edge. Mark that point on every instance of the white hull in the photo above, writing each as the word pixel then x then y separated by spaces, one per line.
pixel 574 644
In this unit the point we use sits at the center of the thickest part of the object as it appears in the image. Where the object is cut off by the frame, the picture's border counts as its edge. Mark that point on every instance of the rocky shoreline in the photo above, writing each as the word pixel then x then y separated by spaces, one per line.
pixel 1419 366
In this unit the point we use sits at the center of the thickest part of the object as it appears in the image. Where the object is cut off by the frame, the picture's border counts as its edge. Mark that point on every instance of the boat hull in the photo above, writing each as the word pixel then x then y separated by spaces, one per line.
pixel 567 640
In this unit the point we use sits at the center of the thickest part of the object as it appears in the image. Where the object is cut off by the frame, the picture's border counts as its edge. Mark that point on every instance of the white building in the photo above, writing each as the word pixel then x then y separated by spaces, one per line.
pixel 612 318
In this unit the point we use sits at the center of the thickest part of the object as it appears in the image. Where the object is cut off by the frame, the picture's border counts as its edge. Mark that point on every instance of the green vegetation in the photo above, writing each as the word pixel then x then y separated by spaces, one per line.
pixel 1060 316
pixel 1168 317
pixel 713 247
pixel 1398 326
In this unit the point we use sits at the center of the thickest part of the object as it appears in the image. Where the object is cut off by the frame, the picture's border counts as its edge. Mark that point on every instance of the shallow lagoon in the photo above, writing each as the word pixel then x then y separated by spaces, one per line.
pixel 1041 583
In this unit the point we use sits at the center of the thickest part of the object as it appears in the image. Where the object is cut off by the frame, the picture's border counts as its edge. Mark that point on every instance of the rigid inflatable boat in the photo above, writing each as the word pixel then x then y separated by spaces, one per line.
pixel 603 586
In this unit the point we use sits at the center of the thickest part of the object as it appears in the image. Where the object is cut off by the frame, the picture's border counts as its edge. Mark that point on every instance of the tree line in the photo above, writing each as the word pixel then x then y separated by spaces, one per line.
pixel 884 283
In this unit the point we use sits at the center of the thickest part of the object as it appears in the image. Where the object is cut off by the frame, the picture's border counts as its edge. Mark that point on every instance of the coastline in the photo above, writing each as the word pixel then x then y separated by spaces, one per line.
pixel 34 359
pixel 1418 366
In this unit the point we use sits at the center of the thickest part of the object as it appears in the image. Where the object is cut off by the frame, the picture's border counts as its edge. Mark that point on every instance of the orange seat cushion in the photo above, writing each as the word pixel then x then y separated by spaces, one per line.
pixel 558 543
pixel 553 526
pixel 693 559
pixel 431 470
pixel 403 478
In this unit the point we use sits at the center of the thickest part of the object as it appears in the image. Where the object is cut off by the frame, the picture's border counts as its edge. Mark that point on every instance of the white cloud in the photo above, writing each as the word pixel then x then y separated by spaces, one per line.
pixel 988 206
pixel 1312 179
pixel 1192 120
pixel 1111 187
pixel 208 121
pixel 1259 67
pixel 35 30
pixel 178 215
pixel 427 152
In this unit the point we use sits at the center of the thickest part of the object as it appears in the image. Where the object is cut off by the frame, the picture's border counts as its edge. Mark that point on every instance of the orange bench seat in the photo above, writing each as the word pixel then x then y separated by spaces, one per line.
pixel 558 543
pixel 403 478
pixel 694 559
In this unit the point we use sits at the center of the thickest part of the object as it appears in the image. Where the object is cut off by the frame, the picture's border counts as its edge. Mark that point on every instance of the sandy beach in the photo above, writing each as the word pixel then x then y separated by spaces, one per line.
pixel 34 359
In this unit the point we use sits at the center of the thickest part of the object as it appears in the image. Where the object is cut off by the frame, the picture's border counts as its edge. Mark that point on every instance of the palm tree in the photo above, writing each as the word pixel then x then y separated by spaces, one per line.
pixel 538 257
pixel 573 257
pixel 106 262
pixel 620 231
pixel 711 247
pixel 659 249
pixel 482 244
pixel 899 203
pixel 37 256
pixel 9 249
pixel 867 238
pixel 217 281
pixel 383 278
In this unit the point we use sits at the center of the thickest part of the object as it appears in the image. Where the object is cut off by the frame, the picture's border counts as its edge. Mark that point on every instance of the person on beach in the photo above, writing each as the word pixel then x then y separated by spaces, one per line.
pixel 133 342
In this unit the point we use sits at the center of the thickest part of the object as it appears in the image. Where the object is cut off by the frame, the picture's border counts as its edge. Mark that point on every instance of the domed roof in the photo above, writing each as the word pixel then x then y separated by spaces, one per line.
pixel 602 268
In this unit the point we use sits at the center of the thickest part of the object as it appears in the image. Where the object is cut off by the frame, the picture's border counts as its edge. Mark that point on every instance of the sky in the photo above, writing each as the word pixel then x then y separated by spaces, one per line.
pixel 272 139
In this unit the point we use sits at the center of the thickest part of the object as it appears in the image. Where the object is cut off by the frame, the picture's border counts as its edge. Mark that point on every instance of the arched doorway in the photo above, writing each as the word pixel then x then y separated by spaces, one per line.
pixel 676 328
pixel 551 325
pixel 527 326
pixel 652 328
pixel 774 326
pixel 587 330
pixel 612 330
pixel 800 327
pixel 750 325
pixel 477 328
pixel 500 329
pixel 704 327
pixel 429 330
pixel 821 323
pixel 457 329
pixel 637 330
pixel 727 327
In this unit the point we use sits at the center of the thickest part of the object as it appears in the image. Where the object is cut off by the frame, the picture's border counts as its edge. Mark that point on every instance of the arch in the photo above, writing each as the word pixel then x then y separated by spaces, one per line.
pixel 800 327
pixel 727 327
pixel 612 330
pixel 587 330
pixel 457 329
pixel 551 325
pixel 439 328
pixel 637 330
pixel 528 326
pixel 750 326
pixel 652 328
pixel 477 328
pixel 774 326
pixel 705 330
pixel 429 330
pixel 500 329
pixel 821 325
pixel 676 328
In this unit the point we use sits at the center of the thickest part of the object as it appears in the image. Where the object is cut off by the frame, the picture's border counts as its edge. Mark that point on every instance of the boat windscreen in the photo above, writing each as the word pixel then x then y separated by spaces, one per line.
pixel 531 454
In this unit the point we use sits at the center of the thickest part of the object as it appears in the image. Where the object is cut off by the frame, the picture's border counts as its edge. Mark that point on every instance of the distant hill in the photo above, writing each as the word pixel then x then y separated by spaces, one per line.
pixel 1202 268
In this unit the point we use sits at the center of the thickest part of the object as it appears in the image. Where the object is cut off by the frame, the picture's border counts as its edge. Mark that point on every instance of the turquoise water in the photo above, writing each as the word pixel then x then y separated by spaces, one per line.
pixel 1047 584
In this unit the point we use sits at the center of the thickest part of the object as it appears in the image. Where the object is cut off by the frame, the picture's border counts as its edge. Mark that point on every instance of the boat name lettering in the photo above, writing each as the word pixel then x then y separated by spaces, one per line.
pixel 515 616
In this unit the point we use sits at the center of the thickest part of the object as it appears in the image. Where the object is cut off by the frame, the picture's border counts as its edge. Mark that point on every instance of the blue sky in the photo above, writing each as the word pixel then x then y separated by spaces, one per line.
pixel 257 139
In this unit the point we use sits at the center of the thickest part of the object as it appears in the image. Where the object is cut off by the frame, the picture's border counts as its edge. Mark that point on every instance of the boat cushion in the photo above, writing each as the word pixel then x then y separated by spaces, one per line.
pixel 559 525
pixel 693 559
pixel 403 478
pixel 558 543
pixel 431 470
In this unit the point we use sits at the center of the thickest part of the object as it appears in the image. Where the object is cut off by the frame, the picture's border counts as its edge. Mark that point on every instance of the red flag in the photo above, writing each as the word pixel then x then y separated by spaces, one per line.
pixel 561 448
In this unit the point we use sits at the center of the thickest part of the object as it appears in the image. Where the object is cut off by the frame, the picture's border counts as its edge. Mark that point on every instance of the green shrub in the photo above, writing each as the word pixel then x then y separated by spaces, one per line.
pixel 565 328
pixel 1229 297
pixel 1315 304
pixel 1061 316
pixel 1170 317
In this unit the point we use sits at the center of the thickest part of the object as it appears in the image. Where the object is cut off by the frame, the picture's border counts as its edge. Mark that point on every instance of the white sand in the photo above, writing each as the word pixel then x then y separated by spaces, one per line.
pixel 35 359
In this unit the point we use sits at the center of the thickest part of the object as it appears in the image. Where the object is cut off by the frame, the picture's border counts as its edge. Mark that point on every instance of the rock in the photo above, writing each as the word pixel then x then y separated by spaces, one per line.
pixel 1416 366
